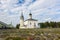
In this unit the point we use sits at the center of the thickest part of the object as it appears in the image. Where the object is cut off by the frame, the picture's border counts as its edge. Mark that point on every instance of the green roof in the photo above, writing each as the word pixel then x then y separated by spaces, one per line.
pixel 2 23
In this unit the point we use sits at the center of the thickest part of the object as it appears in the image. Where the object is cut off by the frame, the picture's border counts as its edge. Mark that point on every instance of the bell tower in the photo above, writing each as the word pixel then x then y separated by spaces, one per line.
pixel 21 21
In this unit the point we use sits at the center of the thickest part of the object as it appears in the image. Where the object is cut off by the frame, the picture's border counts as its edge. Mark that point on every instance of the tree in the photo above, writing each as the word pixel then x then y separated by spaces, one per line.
pixel 58 24
pixel 17 26
pixel 47 24
pixel 42 25
pixel 52 24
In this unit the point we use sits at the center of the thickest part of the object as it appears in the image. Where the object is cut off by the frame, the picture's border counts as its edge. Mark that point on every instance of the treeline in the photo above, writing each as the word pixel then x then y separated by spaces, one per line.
pixel 49 25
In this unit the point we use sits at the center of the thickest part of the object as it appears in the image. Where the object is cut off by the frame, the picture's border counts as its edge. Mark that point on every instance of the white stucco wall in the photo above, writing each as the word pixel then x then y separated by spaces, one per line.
pixel 30 24
pixel 21 23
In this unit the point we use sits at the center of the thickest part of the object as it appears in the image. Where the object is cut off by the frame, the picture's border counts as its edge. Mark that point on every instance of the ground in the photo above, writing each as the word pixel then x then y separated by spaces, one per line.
pixel 30 34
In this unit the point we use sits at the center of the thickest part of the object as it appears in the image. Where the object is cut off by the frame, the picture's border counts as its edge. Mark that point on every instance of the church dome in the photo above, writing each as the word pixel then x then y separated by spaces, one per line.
pixel 30 14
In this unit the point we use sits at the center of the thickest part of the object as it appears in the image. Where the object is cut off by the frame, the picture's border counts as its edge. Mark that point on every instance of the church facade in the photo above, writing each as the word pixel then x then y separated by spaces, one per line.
pixel 29 23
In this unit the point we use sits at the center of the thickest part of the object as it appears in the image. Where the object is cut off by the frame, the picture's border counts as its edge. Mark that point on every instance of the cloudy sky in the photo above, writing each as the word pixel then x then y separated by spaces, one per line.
pixel 43 10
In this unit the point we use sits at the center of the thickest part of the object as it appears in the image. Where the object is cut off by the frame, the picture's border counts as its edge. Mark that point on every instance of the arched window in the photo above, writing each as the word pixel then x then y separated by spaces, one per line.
pixel 30 23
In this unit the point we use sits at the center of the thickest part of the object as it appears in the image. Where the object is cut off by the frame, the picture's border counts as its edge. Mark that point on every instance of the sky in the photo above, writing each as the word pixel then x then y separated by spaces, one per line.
pixel 42 10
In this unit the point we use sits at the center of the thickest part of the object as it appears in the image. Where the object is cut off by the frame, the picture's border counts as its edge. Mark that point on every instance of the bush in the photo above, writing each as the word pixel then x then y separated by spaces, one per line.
pixel 14 38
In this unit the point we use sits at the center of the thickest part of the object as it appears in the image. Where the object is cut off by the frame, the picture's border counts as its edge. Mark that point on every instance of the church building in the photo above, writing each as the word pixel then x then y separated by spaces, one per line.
pixel 29 23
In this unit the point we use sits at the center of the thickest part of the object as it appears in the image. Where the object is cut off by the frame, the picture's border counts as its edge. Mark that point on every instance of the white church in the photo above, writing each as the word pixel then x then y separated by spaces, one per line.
pixel 29 23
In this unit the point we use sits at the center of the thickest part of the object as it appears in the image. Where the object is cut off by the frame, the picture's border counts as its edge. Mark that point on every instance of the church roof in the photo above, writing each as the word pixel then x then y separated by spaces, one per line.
pixel 31 20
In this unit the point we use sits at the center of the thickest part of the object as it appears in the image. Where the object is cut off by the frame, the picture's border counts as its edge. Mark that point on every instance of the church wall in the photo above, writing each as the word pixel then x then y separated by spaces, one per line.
pixel 31 24
pixel 21 23
pixel 26 22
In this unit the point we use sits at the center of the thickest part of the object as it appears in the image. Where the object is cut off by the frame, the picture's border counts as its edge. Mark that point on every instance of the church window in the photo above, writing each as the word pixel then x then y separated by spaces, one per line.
pixel 30 23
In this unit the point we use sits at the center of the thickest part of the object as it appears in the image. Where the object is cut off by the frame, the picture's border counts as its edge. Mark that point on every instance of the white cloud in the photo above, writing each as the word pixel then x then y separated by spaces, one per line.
pixel 10 10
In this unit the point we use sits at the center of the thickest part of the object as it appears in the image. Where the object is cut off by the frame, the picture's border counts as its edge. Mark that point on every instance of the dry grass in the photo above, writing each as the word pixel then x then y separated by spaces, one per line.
pixel 45 33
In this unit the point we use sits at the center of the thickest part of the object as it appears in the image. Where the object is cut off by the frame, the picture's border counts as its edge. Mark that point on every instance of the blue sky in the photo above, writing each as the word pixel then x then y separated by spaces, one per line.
pixel 43 10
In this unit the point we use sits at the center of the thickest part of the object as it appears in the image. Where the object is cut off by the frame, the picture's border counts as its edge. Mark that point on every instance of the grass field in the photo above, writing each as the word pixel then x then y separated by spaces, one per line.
pixel 31 34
